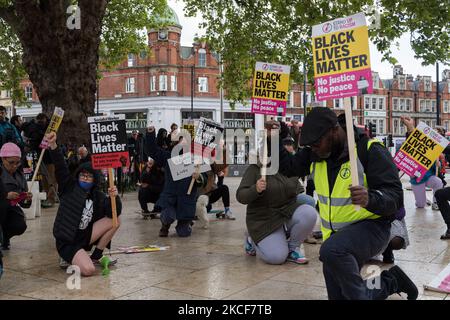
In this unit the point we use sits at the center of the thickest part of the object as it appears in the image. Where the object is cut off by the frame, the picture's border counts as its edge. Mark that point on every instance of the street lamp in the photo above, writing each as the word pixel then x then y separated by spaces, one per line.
pixel 192 86
pixel 438 120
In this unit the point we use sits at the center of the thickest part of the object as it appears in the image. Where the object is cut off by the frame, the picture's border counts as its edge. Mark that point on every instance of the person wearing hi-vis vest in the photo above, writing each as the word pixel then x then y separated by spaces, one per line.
pixel 351 237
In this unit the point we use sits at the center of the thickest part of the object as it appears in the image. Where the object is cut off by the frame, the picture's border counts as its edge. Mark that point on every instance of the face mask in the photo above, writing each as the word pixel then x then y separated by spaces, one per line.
pixel 86 186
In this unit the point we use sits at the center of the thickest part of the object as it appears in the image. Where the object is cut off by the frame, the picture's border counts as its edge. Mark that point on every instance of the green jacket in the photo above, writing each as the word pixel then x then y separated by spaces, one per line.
pixel 268 211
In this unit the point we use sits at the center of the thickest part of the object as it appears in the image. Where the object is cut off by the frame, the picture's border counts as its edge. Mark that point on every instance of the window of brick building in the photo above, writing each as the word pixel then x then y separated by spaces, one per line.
pixel 131 60
pixel 153 83
pixel 203 84
pixel 202 58
pixel 173 83
pixel 130 85
pixel 163 82
pixel 29 92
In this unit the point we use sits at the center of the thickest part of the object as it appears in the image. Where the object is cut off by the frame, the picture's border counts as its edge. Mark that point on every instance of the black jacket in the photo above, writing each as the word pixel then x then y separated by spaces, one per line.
pixel 73 199
pixel 154 179
pixel 384 186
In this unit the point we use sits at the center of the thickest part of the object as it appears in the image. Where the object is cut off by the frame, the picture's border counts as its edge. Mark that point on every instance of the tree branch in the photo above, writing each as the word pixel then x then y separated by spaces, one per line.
pixel 8 14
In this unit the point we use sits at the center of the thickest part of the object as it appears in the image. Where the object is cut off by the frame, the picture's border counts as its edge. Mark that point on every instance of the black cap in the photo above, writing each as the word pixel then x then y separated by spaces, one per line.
pixel 318 121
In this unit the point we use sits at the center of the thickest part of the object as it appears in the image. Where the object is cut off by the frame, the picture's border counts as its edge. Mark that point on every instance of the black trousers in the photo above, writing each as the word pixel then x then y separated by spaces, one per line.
pixel 145 196
pixel 223 192
pixel 344 254
pixel 310 187
pixel 442 199
pixel 12 221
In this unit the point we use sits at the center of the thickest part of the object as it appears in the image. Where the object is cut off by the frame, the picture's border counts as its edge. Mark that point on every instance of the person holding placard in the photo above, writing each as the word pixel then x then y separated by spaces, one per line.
pixel 174 201
pixel 12 217
pixel 84 216
pixel 351 237
pixel 430 179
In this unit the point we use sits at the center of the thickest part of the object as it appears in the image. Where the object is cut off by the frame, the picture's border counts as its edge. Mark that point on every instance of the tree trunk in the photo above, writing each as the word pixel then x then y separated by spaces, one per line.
pixel 62 63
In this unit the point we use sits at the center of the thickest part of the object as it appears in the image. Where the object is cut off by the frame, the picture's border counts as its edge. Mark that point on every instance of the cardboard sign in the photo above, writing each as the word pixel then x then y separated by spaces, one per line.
pixel 109 142
pixel 182 166
pixel 441 283
pixel 418 153
pixel 189 126
pixel 207 136
pixel 341 58
pixel 270 88
pixel 53 126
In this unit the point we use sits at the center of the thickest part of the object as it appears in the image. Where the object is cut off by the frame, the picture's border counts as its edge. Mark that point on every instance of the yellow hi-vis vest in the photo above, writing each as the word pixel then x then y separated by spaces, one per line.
pixel 336 208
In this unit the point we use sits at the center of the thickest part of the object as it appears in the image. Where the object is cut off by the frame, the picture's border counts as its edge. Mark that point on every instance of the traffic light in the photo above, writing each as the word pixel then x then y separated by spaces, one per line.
pixel 372 129
pixel 390 141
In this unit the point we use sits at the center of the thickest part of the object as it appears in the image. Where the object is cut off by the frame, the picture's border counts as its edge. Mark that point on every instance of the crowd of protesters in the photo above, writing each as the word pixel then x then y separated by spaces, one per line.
pixel 279 215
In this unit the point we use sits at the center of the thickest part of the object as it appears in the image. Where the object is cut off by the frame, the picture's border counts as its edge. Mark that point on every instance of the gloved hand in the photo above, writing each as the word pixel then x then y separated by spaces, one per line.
pixel 284 130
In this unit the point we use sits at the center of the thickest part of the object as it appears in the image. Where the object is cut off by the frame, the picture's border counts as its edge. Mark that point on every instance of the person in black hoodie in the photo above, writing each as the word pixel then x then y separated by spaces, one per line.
pixel 84 215
pixel 152 185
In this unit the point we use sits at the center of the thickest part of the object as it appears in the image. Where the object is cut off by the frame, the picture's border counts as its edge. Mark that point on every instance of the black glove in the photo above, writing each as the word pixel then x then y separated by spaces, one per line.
pixel 284 130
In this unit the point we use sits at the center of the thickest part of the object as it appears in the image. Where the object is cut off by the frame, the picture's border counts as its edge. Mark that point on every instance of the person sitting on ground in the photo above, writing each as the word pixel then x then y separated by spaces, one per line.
pixel 84 216
pixel 152 185
pixel 174 201
pixel 277 224
pixel 217 190
pixel 12 219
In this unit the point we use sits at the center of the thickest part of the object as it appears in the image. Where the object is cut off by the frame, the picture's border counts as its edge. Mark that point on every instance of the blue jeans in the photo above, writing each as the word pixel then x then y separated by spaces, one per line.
pixel 305 199
pixel 183 227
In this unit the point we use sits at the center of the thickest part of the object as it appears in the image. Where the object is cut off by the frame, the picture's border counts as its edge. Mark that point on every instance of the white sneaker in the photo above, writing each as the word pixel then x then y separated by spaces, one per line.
pixel 63 264
pixel 229 215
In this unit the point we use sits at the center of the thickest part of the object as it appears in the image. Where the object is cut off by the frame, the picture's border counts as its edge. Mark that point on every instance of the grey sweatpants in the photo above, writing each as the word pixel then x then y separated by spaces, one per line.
pixel 275 248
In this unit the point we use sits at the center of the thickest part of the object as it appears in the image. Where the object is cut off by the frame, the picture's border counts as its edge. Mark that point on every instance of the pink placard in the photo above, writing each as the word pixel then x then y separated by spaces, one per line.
pixel 343 85
pixel 408 165
pixel 268 106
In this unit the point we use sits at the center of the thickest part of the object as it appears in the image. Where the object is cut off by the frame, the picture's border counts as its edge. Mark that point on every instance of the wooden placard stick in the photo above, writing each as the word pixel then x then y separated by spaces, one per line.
pixel 351 144
pixel 197 170
pixel 113 199
pixel 264 158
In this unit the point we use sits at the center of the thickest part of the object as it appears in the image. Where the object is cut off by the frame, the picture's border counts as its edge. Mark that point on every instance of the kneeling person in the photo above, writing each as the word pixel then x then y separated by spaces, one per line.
pixel 84 217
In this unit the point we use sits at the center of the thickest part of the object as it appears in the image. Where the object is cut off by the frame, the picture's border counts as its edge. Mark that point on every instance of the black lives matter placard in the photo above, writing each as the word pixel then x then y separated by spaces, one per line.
pixel 108 141
pixel 207 136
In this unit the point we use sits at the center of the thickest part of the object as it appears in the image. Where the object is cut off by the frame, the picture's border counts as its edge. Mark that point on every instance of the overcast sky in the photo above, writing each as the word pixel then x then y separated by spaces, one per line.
pixel 405 55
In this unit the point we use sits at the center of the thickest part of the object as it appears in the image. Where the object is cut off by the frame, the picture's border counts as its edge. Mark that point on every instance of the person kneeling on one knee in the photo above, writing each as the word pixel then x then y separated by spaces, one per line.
pixel 84 216
pixel 277 224
pixel 12 219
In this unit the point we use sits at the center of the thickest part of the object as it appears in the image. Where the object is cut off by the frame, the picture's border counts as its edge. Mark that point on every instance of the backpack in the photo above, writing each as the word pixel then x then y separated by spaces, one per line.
pixel 9 134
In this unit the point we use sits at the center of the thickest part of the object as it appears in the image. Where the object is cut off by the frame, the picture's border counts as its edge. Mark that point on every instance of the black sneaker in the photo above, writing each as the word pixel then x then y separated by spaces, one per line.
pixel 388 256
pixel 317 235
pixel 446 235
pixel 404 283
pixel 164 231
pixel 6 244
